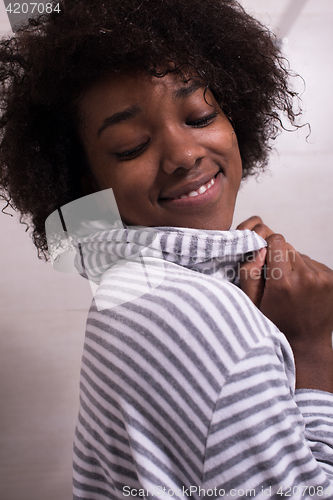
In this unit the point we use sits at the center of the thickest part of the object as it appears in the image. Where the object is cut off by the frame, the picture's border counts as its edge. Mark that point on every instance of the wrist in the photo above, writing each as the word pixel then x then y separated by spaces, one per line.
pixel 314 366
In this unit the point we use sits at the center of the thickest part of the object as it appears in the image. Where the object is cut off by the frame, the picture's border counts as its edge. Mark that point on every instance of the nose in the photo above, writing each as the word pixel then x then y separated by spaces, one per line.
pixel 180 149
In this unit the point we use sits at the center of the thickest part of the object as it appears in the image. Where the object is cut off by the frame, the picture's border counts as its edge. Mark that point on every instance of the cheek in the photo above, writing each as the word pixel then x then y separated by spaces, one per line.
pixel 99 166
pixel 236 160
pixel 131 189
pixel 226 147
pixel 137 177
pixel 222 141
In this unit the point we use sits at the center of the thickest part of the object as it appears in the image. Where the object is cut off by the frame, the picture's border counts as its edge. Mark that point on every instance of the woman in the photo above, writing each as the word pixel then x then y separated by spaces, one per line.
pixel 187 387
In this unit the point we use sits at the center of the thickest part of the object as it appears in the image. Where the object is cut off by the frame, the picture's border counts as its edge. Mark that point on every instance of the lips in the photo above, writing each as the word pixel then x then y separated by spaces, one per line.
pixel 191 189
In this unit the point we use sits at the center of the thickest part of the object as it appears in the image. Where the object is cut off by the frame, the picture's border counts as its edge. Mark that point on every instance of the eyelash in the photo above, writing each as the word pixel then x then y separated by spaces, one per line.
pixel 129 154
pixel 204 121
pixel 197 124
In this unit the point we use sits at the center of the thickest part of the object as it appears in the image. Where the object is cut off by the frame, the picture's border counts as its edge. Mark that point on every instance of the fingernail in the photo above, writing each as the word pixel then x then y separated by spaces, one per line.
pixel 262 254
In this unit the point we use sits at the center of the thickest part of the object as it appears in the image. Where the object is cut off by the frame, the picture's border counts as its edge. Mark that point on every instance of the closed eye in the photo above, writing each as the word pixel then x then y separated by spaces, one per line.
pixel 203 122
pixel 132 153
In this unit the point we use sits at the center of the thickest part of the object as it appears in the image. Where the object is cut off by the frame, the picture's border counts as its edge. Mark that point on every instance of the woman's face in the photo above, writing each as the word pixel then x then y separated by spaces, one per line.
pixel 165 148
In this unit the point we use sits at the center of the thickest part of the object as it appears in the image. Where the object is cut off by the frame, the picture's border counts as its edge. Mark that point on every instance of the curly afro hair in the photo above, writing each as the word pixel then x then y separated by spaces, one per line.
pixel 47 65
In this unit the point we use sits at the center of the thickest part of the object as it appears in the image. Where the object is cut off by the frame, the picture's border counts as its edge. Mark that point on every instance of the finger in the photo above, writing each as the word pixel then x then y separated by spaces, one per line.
pixel 255 224
pixel 315 263
pixel 263 230
pixel 304 257
pixel 251 277
pixel 283 262
pixel 250 223
pixel 311 275
pixel 280 258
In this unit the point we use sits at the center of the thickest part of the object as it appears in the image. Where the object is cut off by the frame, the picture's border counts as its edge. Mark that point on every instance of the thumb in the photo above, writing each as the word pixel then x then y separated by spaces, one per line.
pixel 251 278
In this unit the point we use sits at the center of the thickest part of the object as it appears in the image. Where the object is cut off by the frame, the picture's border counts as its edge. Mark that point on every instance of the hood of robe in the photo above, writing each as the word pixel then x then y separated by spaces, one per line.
pixel 88 236
pixel 215 253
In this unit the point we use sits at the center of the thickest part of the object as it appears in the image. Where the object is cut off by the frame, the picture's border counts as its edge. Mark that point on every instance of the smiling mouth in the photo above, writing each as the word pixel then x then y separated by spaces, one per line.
pixel 200 190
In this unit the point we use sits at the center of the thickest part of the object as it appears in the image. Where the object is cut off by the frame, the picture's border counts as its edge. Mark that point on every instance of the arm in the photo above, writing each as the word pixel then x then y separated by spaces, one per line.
pixel 296 293
pixel 258 440
pixel 192 386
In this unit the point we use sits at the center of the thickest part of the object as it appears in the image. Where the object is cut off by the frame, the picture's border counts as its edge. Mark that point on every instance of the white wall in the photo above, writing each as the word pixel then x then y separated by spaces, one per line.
pixel 295 197
pixel 43 313
pixel 42 323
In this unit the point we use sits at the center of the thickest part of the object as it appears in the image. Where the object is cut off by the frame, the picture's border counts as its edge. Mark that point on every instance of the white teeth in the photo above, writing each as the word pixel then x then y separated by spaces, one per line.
pixel 200 190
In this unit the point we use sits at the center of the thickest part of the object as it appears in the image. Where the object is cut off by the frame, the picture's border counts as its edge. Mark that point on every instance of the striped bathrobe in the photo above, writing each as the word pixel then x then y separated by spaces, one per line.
pixel 187 389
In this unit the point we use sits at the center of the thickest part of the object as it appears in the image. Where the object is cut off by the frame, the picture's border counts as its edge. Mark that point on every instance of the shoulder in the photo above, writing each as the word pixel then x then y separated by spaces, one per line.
pixel 192 313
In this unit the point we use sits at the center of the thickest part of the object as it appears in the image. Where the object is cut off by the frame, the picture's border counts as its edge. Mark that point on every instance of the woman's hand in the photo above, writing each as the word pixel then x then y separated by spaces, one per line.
pixel 296 293
pixel 251 275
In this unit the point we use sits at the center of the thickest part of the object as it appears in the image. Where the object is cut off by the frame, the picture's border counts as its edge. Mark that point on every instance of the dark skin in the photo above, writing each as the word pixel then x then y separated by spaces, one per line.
pixel 298 299
pixel 153 140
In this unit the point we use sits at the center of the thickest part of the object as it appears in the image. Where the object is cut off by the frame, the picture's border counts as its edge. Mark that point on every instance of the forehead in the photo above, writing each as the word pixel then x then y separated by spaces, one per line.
pixel 125 89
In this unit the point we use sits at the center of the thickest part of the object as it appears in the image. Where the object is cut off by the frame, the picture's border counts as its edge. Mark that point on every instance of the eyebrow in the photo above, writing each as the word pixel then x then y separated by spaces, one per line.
pixel 122 116
pixel 184 92
pixel 133 111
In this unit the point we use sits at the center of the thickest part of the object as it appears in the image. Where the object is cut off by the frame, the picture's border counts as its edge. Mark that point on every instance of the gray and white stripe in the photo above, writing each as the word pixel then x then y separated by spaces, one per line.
pixel 190 385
